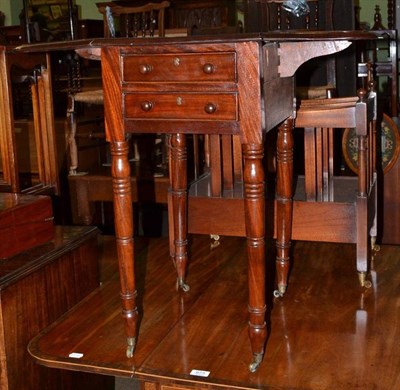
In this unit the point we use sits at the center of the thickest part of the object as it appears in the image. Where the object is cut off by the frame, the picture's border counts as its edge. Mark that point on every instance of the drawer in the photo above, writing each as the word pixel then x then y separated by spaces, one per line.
pixel 180 67
pixel 191 106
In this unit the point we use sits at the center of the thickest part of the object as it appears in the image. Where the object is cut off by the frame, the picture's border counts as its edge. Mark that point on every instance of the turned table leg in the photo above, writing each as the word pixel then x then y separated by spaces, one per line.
pixel 178 203
pixel 284 203
pixel 124 238
pixel 255 234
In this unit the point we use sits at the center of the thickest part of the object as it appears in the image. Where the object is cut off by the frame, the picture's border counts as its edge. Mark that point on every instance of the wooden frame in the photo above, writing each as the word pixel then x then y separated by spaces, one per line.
pixel 43 120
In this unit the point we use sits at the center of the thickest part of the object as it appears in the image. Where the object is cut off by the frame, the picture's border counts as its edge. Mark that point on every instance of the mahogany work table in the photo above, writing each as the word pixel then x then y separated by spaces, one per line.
pixel 241 85
pixel 199 86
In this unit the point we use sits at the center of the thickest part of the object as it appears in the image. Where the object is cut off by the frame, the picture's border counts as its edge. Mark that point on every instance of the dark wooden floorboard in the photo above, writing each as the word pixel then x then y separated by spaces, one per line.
pixel 326 332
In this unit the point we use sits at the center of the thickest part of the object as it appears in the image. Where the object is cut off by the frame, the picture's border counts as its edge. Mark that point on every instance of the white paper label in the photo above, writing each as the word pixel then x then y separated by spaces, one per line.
pixel 75 355
pixel 200 373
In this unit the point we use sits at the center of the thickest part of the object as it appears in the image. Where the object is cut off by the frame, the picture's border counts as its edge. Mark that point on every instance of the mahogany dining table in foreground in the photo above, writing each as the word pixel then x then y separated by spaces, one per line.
pixel 325 334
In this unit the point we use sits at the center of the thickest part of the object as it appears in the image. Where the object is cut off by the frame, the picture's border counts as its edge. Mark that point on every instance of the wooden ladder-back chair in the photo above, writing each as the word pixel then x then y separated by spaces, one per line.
pixel 134 21
pixel 270 15
pixel 276 17
pixel 119 21
pixel 327 206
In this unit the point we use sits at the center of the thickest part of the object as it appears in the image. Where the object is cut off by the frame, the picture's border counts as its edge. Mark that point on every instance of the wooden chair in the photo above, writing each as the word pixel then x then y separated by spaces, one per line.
pixel 387 66
pixel 204 14
pixel 327 206
pixel 134 21
pixel 384 54
pixel 269 15
pixel 142 21
pixel 275 17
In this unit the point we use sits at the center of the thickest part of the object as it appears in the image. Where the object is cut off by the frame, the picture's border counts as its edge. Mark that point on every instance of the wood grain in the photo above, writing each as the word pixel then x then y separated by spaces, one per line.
pixel 327 332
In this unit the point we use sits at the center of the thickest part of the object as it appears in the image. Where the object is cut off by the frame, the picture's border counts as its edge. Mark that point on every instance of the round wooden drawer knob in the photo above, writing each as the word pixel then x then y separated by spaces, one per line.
pixel 208 68
pixel 146 106
pixel 145 69
pixel 210 108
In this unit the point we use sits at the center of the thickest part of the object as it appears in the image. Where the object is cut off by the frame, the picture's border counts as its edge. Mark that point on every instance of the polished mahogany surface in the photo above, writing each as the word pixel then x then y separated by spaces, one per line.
pixel 37 286
pixel 203 86
pixel 327 331
pixel 177 87
pixel 81 44
pixel 25 221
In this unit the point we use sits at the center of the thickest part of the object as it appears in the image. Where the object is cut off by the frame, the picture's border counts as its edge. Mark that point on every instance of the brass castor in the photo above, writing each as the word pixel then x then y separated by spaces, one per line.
pixel 214 240
pixel 257 359
pixel 364 282
pixel 130 347
pixel 374 246
pixel 280 291
pixel 180 284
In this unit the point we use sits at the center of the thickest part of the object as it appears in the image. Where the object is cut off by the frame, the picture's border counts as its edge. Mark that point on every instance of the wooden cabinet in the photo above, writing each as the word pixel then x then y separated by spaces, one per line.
pixel 36 288
pixel 37 227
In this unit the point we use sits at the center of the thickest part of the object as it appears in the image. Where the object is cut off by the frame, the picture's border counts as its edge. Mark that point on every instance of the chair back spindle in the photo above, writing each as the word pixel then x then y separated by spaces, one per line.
pixel 134 21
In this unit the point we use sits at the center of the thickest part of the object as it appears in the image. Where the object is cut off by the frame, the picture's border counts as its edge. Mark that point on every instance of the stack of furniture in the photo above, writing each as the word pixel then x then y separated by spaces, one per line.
pixel 28 150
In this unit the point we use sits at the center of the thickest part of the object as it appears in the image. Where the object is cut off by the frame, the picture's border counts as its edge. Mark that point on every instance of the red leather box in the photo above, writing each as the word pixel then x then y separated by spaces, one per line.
pixel 25 221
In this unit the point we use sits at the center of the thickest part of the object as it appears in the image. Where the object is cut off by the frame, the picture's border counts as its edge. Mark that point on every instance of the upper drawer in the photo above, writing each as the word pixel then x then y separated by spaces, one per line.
pixel 180 67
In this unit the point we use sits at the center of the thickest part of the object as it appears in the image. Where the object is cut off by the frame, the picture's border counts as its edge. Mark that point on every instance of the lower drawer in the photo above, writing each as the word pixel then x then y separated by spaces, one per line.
pixel 190 106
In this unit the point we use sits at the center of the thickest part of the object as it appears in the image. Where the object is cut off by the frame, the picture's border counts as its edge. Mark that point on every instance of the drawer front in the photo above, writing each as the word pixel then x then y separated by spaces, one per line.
pixel 190 106
pixel 180 67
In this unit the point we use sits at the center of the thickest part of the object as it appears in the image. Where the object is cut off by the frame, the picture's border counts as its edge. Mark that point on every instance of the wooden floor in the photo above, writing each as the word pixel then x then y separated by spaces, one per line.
pixel 326 332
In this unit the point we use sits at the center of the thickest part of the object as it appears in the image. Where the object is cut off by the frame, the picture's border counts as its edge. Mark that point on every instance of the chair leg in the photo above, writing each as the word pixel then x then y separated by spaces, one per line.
pixel 374 229
pixel 362 240
pixel 71 136
pixel 284 203
pixel 363 249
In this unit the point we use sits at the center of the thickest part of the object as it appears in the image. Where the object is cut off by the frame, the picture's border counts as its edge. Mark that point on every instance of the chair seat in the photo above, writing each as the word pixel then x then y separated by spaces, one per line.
pixel 315 92
pixel 91 97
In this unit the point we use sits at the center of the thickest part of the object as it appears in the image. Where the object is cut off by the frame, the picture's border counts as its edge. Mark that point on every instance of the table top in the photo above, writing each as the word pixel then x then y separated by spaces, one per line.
pixel 324 323
pixel 66 238
pixel 278 36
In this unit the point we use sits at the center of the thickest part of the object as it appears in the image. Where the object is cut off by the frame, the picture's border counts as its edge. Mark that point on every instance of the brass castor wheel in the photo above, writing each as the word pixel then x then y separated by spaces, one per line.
pixel 257 359
pixel 130 347
pixel 364 282
pixel 280 291
pixel 376 248
pixel 214 240
pixel 180 284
